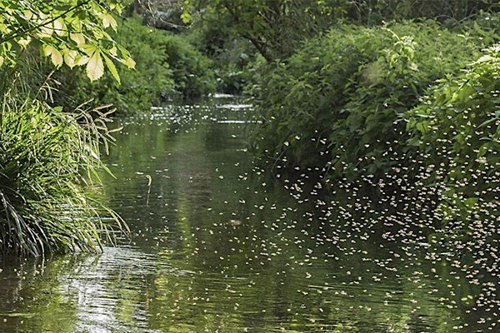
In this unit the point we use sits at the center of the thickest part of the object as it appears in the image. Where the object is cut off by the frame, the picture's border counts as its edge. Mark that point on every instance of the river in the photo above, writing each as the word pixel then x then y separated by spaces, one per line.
pixel 219 245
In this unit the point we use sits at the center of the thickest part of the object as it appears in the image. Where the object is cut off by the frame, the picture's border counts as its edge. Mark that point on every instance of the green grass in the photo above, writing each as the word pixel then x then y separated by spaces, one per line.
pixel 47 158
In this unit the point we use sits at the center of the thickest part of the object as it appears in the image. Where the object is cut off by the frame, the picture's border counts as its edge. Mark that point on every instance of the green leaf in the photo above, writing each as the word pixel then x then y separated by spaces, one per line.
pixel 81 60
pixel 186 17
pixel 108 21
pixel 55 55
pixel 79 39
pixel 95 67
pixel 24 41
pixel 70 58
pixel 112 68
pixel 129 62
pixel 60 27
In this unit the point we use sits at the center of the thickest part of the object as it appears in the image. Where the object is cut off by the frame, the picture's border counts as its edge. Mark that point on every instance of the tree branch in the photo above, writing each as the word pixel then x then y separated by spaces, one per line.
pixel 24 31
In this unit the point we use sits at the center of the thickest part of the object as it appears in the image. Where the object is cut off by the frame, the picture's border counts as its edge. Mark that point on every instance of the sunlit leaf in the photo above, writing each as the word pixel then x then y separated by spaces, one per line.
pixel 79 39
pixel 108 21
pixel 112 68
pixel 55 56
pixel 60 27
pixel 70 58
pixel 129 62
pixel 95 66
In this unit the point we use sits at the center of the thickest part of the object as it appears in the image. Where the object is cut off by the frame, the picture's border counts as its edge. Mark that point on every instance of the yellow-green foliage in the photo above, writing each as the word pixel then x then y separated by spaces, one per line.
pixel 69 32
pixel 43 150
pixel 138 89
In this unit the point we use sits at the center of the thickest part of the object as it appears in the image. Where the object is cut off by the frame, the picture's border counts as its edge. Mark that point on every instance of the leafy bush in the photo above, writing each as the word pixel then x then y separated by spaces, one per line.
pixel 191 70
pixel 138 89
pixel 277 28
pixel 231 55
pixel 42 154
pixel 166 66
pixel 338 103
pixel 457 128
pixel 375 12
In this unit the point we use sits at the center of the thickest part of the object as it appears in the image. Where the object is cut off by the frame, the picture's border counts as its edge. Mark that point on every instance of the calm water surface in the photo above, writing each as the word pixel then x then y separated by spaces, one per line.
pixel 218 245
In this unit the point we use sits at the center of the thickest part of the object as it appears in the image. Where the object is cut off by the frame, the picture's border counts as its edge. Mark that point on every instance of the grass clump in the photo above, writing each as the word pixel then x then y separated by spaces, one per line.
pixel 47 156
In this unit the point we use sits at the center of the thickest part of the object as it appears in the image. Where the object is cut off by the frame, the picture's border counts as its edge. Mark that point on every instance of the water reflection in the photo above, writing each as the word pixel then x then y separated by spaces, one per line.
pixel 219 246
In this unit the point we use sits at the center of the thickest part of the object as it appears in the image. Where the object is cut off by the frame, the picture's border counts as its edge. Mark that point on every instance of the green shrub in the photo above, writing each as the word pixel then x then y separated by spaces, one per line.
pixel 147 84
pixel 457 128
pixel 374 12
pixel 191 70
pixel 231 55
pixel 167 66
pixel 43 152
pixel 338 103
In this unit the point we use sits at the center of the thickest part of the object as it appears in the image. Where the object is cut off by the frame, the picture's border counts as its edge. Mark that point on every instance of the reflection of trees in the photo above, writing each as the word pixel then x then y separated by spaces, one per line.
pixel 34 297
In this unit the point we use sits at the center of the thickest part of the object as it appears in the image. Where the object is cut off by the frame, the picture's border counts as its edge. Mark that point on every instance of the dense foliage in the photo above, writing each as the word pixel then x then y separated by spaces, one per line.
pixel 47 156
pixel 167 67
pixel 278 27
pixel 191 70
pixel 403 106
pixel 457 128
pixel 233 57
pixel 353 87
pixel 140 88
pixel 69 32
